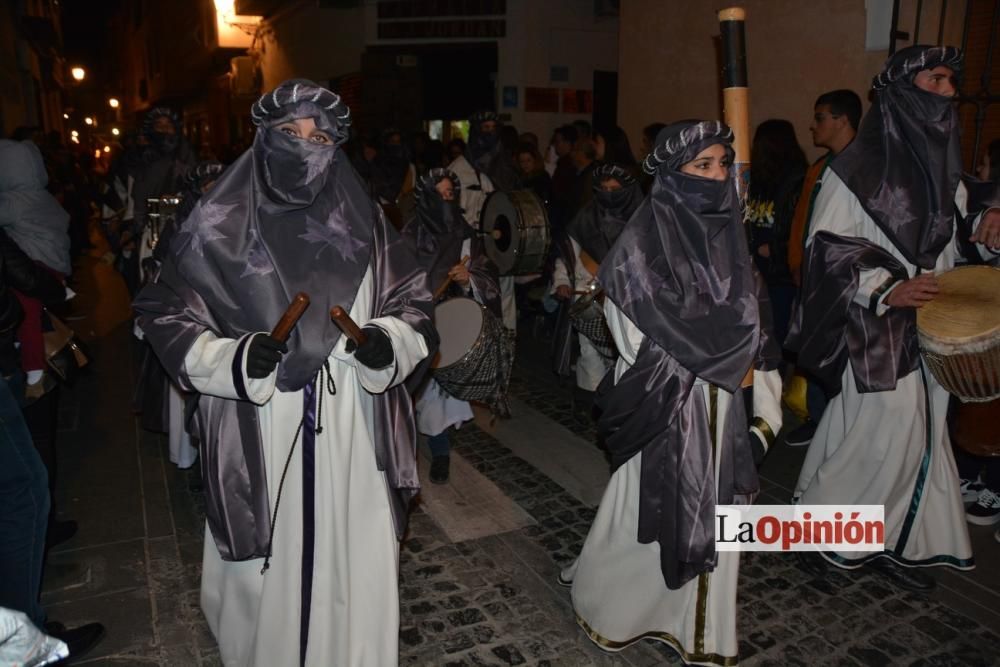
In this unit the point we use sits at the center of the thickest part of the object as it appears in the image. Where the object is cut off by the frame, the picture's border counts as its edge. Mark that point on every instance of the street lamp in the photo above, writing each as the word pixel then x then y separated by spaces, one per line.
pixel 107 149
pixel 78 73
pixel 74 133
pixel 115 131
pixel 88 120
pixel 113 102
pixel 66 116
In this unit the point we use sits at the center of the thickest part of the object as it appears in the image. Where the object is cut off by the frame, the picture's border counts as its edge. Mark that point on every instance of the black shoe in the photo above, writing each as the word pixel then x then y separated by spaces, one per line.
pixel 812 563
pixel 909 579
pixel 439 469
pixel 802 435
pixel 79 640
pixel 58 532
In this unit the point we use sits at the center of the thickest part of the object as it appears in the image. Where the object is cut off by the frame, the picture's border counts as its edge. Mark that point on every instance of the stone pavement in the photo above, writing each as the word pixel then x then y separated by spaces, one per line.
pixel 488 600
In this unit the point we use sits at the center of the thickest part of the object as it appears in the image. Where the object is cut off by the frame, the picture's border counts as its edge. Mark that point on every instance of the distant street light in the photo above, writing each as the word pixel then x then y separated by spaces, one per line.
pixel 66 116
pixel 75 139
pixel 78 73
pixel 74 133
pixel 113 102
pixel 107 149
pixel 115 131
pixel 97 153
pixel 88 120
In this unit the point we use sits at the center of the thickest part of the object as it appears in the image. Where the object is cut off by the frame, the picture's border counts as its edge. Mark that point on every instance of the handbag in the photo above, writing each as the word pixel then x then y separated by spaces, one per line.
pixel 63 355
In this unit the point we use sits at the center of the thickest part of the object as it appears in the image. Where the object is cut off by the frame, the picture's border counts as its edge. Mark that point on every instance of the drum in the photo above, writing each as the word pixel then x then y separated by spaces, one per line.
pixel 476 355
pixel 587 317
pixel 959 333
pixel 516 230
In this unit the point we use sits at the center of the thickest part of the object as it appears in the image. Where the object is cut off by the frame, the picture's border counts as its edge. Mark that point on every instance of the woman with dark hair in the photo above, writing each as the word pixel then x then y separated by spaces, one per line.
pixel 613 148
pixel 533 175
pixel 777 167
pixel 691 326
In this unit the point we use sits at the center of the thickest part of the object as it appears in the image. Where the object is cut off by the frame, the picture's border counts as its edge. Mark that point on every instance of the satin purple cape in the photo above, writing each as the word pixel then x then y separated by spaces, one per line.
pixel 220 277
pixel 828 328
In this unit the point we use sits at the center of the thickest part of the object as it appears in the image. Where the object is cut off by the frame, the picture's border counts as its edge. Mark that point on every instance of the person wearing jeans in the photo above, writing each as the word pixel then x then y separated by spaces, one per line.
pixel 24 507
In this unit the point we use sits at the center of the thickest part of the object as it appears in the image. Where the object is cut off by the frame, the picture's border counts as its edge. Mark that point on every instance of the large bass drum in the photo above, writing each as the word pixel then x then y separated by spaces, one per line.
pixel 516 229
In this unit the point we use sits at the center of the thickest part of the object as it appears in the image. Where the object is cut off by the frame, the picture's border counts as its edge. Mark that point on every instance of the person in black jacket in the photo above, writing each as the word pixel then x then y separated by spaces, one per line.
pixel 24 491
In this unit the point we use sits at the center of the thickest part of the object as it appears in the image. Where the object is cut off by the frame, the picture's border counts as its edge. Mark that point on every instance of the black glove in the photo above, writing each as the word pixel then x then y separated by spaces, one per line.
pixel 758 448
pixel 263 354
pixel 376 352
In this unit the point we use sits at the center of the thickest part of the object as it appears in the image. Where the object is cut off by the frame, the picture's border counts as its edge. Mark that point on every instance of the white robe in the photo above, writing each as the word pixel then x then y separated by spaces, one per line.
pixel 875 448
pixel 619 595
pixel 590 368
pixel 354 617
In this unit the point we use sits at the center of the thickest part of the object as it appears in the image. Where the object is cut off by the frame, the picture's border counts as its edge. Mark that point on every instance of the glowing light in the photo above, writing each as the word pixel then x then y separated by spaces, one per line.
pixel 97 153
pixel 88 120
pixel 113 102
pixel 233 30
pixel 78 73
pixel 107 149
pixel 75 139
pixel 66 116
pixel 75 133
pixel 115 131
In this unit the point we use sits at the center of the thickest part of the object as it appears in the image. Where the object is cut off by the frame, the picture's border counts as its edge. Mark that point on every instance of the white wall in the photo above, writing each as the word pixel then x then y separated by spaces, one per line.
pixel 553 32
pixel 310 43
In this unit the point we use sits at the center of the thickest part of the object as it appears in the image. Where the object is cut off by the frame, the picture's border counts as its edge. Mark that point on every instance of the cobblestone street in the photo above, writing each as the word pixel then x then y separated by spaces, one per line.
pixel 491 599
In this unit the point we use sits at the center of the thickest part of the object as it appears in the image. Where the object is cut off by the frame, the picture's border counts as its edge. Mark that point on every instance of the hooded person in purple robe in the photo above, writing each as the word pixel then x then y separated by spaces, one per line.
pixel 307 447
pixel 892 212
pixel 691 321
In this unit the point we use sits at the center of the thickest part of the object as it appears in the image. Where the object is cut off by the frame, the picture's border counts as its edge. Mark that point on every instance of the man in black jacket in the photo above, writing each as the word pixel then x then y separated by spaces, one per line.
pixel 24 490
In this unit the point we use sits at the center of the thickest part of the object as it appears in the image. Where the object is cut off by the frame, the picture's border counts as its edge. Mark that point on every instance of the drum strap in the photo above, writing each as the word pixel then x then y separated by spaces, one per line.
pixel 589 263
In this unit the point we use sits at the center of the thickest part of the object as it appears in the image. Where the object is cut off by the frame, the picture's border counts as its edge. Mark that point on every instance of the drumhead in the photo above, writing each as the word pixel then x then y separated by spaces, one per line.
pixel 516 230
pixel 965 312
pixel 459 323
pixel 500 215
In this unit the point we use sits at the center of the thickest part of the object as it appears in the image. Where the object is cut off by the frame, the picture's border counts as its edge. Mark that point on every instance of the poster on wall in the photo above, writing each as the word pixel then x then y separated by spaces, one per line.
pixel 510 97
pixel 541 99
pixel 577 101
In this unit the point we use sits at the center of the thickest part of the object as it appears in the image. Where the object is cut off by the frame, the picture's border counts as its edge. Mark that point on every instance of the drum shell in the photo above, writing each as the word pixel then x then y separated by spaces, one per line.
pixel 525 240
pixel 959 341
pixel 483 372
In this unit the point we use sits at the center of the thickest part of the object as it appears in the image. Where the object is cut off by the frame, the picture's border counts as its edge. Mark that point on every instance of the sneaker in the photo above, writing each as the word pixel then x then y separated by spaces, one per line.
pixel 439 469
pixel 970 489
pixel 802 435
pixel 986 510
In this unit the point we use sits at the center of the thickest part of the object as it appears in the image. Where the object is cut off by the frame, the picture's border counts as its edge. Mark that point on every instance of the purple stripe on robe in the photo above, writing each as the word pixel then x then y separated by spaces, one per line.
pixel 308 511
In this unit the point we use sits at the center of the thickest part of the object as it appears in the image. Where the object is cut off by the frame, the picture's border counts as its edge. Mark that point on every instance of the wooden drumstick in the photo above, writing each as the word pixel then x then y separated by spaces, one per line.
pixel 348 326
pixel 296 308
pixel 439 292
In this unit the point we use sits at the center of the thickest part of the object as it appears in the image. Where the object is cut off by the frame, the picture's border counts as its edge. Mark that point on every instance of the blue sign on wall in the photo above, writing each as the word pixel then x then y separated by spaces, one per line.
pixel 510 97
